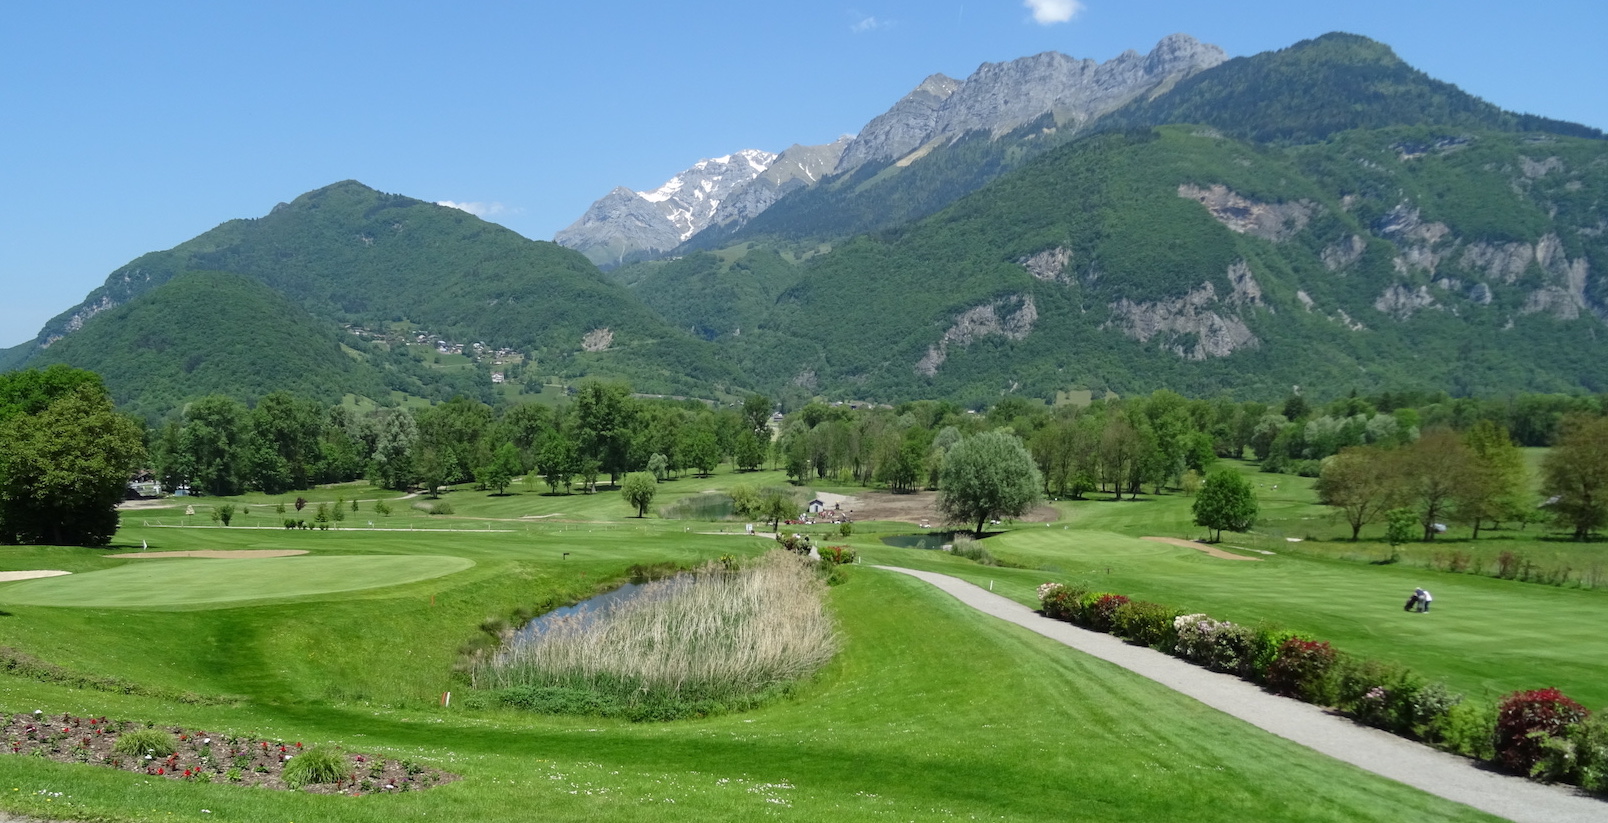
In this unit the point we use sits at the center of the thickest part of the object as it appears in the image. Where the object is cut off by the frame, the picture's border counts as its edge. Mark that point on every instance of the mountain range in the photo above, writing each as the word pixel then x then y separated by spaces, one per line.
pixel 1323 215
pixel 727 192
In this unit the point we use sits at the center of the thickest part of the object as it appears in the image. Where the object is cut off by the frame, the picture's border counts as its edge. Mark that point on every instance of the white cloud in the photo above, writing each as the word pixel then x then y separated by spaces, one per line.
pixel 869 24
pixel 476 209
pixel 1050 12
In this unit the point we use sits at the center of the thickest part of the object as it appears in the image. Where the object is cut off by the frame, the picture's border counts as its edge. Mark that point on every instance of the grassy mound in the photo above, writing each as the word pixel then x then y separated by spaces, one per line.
pixel 167 583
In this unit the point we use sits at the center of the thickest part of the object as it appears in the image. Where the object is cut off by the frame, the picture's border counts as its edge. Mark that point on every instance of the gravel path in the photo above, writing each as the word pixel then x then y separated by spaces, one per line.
pixel 1404 761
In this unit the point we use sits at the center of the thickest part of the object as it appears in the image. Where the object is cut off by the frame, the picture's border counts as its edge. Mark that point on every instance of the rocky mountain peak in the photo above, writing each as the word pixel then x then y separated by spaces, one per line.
pixel 901 129
pixel 998 97
pixel 624 223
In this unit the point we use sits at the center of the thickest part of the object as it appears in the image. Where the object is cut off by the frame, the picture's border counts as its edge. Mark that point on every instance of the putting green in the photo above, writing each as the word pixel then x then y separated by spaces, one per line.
pixel 168 583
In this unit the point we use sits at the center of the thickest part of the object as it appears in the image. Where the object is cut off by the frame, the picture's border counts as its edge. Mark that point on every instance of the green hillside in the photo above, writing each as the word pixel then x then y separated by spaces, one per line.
pixel 204 333
pixel 1319 87
pixel 347 254
pixel 1463 260
pixel 712 295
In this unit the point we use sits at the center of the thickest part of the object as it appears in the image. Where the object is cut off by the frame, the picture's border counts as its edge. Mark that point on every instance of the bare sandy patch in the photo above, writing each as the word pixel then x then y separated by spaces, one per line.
pixel 217 554
pixel 918 508
pixel 31 574
pixel 141 505
pixel 1201 547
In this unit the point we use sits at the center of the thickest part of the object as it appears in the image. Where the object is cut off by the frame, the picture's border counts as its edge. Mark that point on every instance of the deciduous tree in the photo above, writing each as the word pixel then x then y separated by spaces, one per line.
pixel 639 489
pixel 1225 502
pixel 988 476
pixel 64 468
pixel 1361 483
pixel 1575 472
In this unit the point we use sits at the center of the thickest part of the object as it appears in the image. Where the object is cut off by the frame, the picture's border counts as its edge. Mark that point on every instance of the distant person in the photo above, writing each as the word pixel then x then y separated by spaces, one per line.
pixel 1424 599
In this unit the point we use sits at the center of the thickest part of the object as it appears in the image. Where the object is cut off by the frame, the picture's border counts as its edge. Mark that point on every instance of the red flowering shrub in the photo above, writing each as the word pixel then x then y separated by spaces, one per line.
pixel 1526 719
pixel 1300 667
pixel 1100 613
pixel 839 555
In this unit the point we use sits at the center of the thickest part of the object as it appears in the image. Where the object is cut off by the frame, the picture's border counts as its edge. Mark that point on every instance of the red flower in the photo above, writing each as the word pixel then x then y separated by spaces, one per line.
pixel 159 770
pixel 298 745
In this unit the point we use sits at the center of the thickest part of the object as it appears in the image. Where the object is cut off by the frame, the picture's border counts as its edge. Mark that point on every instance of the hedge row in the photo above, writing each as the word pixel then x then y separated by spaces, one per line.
pixel 1542 733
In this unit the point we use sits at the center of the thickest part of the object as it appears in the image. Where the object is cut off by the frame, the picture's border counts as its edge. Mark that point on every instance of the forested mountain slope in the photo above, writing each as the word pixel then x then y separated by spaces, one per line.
pixel 1181 258
pixel 206 332
pixel 347 254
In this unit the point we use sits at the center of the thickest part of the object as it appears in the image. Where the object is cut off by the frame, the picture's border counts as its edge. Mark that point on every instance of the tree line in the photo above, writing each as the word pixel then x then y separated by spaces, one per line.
pixel 219 446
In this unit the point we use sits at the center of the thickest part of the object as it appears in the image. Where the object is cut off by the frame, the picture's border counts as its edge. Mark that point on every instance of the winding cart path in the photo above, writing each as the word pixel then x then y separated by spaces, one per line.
pixel 1384 754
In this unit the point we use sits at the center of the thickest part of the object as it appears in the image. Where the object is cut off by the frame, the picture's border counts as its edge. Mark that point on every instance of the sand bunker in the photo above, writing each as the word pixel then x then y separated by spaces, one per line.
pixel 7 577
pixel 1201 547
pixel 218 554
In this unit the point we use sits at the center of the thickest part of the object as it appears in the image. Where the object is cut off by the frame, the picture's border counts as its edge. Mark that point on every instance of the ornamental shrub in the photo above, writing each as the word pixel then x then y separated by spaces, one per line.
pixel 838 555
pixel 1300 668
pixel 1196 633
pixel 1265 649
pixel 1100 610
pixel 1145 623
pixel 153 742
pixel 1525 719
pixel 1579 755
pixel 1378 694
pixel 1432 708
pixel 316 765
pixel 1059 601
pixel 1469 729
pixel 1234 649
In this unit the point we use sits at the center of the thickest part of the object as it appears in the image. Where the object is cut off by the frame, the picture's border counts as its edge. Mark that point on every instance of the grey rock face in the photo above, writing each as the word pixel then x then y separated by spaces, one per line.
pixel 999 97
pixel 620 223
pixel 902 129
pixel 795 168
pixel 626 222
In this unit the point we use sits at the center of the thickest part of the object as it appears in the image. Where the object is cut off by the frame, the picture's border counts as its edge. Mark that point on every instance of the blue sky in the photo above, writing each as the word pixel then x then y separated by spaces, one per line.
pixel 131 127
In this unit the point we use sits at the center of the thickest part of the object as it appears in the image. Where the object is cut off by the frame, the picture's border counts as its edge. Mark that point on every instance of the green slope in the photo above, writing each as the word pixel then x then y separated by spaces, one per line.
pixel 1141 257
pixel 349 254
pixel 201 333
pixel 1319 87
pixel 712 295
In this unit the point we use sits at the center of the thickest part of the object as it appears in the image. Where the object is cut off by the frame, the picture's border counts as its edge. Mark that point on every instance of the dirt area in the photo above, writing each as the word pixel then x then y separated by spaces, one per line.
pixel 216 554
pixel 7 577
pixel 200 757
pixel 1201 547
pixel 140 505
pixel 917 508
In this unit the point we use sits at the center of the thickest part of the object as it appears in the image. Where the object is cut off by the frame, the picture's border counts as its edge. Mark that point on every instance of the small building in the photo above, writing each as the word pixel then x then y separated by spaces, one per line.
pixel 817 506
pixel 496 377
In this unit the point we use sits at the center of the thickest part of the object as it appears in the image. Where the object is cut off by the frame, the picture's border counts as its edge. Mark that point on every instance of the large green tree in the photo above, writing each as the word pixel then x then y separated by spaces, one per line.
pixel 1362 483
pixel 604 415
pixel 1225 502
pixel 988 476
pixel 64 468
pixel 1575 475
pixel 638 490
pixel 213 441
pixel 501 470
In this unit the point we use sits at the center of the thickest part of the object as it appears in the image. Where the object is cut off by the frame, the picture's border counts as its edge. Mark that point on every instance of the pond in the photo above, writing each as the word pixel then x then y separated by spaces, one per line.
pixel 932 541
pixel 586 611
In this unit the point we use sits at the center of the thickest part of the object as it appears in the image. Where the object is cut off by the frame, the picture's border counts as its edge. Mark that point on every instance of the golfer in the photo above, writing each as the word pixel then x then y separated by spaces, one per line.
pixel 1424 599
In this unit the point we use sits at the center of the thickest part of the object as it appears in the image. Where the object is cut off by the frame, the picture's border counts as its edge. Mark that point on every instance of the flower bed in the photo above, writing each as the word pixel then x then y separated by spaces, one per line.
pixel 1541 734
pixel 199 757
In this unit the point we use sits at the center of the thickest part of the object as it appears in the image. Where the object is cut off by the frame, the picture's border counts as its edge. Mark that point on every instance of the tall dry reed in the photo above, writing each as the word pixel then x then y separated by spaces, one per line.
pixel 714 634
